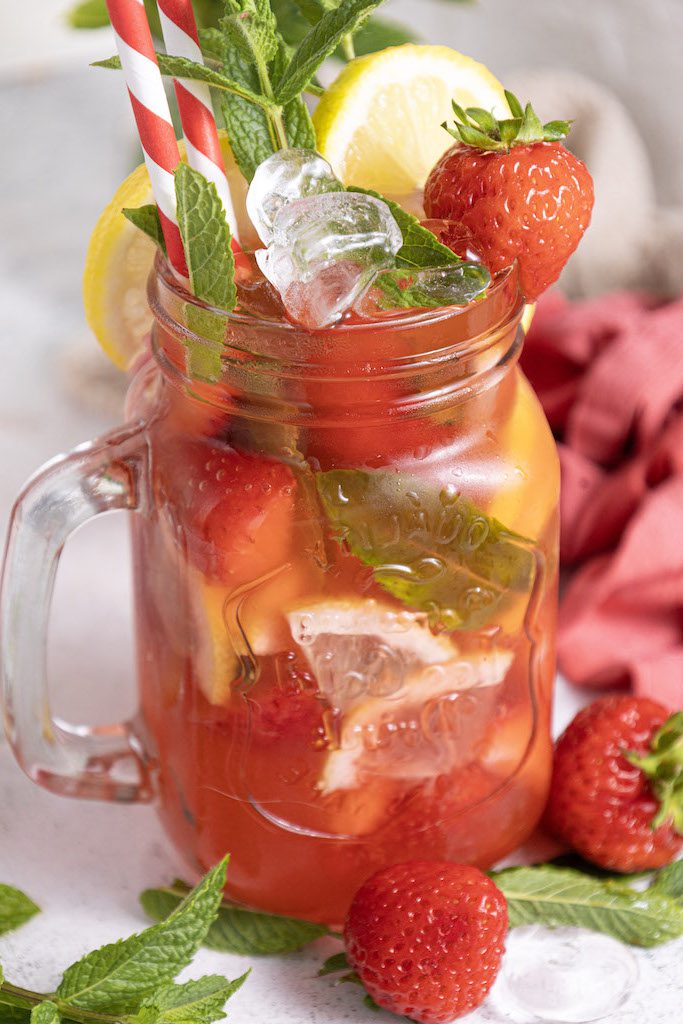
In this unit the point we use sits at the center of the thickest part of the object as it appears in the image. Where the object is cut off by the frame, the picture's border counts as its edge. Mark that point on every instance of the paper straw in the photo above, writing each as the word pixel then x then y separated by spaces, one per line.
pixel 152 115
pixel 181 38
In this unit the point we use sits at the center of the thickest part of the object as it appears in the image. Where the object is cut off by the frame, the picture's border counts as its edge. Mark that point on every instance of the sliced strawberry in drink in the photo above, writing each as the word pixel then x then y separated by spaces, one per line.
pixel 235 509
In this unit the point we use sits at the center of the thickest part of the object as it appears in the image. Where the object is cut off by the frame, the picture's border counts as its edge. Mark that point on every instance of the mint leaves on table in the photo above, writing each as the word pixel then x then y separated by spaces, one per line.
pixel 563 896
pixel 131 981
pixel 15 908
pixel 237 929
pixel 432 549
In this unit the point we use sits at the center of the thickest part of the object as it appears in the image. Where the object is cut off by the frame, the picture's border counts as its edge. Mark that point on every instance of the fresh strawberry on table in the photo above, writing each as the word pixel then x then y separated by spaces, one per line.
pixel 518 190
pixel 426 938
pixel 617 789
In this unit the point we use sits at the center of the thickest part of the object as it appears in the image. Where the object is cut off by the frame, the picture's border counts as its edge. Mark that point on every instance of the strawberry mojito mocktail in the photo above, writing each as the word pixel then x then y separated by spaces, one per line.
pixel 345 547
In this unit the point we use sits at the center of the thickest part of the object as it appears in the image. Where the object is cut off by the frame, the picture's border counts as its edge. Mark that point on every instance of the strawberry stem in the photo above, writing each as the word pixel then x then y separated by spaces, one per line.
pixel 663 767
pixel 482 130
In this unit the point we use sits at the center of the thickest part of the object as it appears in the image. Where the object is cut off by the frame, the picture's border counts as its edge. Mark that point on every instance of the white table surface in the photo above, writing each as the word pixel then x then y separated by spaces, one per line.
pixel 86 863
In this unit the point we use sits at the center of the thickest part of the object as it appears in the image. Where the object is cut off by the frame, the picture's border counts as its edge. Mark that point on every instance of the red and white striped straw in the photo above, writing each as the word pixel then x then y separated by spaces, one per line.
pixel 181 38
pixel 152 115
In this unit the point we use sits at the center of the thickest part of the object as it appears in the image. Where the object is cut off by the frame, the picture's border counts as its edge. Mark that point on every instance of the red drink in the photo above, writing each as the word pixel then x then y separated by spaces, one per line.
pixel 345 591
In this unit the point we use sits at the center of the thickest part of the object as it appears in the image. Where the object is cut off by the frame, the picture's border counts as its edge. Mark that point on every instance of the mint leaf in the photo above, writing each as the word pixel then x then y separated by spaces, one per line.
pixel 249 127
pixel 89 14
pixel 295 115
pixel 212 43
pixel 252 29
pixel 319 43
pixel 420 247
pixel 379 33
pixel 562 896
pixel 45 1013
pixel 195 1002
pixel 669 881
pixel 236 930
pixel 181 67
pixel 206 238
pixel 433 287
pixel 430 548
pixel 15 908
pixel 146 218
pixel 118 977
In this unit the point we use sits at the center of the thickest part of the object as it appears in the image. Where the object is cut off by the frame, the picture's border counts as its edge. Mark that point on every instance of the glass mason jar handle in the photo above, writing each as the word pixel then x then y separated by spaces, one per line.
pixel 104 762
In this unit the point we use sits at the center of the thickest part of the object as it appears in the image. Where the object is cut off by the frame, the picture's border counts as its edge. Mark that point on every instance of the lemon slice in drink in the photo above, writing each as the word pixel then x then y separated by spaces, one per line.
pixel 119 260
pixel 379 124
pixel 380 668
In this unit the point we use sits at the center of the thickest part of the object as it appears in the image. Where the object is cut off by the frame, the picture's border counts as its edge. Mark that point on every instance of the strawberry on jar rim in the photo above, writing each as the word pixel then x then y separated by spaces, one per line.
pixel 616 795
pixel 516 188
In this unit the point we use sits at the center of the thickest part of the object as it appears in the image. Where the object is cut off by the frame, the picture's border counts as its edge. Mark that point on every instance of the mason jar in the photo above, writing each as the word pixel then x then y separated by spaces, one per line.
pixel 345 550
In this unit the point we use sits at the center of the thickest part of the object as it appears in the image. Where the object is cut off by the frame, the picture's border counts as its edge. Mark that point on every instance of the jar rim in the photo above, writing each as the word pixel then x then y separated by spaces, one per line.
pixel 393 320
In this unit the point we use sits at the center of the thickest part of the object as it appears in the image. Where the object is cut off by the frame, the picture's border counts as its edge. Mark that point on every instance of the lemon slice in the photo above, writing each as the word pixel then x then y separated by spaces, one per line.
pixel 379 668
pixel 119 260
pixel 379 124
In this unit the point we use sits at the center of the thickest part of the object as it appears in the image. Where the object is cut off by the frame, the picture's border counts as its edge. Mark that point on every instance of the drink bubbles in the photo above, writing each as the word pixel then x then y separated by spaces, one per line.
pixel 325 251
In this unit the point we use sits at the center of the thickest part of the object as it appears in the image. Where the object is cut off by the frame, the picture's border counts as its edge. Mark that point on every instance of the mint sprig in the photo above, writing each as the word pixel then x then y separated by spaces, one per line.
pixel 237 929
pixel 131 981
pixel 319 43
pixel 16 908
pixel 118 977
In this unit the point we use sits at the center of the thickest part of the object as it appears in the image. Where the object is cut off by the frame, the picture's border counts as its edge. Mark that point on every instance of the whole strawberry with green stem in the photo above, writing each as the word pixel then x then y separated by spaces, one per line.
pixel 517 188
pixel 616 795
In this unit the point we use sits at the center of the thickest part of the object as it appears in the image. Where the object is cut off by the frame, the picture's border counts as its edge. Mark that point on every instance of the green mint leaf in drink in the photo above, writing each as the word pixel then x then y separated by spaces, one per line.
pixel 433 287
pixel 118 977
pixel 669 881
pixel 15 908
pixel 89 14
pixel 257 28
pixel 45 1013
pixel 561 896
pixel 238 930
pixel 432 549
pixel 147 219
pixel 206 238
pixel 421 248
pixel 319 44
pixel 195 1002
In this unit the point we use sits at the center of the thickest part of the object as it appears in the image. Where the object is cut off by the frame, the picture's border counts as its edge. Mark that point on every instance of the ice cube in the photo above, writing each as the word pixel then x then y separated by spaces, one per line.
pixel 455 285
pixel 285 176
pixel 326 251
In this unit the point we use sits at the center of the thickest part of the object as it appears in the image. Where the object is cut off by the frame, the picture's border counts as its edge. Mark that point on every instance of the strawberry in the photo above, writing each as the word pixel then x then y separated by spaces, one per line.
pixel 616 794
pixel 426 938
pixel 235 509
pixel 518 190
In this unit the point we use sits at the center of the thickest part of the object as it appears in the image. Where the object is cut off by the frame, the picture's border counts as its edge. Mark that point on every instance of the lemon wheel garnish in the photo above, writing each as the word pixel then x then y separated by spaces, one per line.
pixel 119 260
pixel 379 124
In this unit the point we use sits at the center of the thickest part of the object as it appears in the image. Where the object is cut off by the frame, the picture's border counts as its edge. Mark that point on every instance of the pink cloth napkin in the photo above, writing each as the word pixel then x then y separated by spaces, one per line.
pixel 609 373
